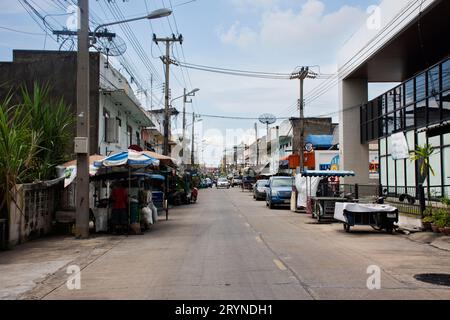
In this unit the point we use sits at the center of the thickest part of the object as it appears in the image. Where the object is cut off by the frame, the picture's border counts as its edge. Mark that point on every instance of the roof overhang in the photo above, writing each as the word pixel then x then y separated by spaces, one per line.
pixel 127 104
pixel 411 44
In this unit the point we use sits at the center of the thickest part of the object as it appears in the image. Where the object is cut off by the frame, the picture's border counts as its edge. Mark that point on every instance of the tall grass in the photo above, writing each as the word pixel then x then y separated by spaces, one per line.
pixel 34 136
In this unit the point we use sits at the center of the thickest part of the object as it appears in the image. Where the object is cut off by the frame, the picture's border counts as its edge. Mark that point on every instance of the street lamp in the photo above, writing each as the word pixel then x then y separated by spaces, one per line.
pixel 83 120
pixel 156 14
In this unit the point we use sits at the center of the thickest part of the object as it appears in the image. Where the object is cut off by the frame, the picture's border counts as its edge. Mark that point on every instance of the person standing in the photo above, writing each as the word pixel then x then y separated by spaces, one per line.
pixel 119 216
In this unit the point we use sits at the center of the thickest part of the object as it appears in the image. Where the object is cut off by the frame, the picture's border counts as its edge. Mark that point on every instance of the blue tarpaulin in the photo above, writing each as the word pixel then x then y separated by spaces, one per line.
pixel 317 173
pixel 320 141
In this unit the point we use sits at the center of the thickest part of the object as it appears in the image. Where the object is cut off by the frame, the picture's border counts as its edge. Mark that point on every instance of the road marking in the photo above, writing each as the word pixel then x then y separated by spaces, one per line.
pixel 280 265
pixel 258 239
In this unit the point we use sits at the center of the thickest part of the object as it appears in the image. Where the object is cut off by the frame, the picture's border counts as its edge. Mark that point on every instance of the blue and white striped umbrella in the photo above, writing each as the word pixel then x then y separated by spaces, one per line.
pixel 131 158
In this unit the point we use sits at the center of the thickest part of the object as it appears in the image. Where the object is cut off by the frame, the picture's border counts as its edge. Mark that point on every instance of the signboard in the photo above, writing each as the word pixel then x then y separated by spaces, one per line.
pixel 399 146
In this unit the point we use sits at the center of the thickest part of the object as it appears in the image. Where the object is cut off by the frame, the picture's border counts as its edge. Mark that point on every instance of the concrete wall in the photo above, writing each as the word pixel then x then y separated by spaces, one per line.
pixel 30 217
pixel 57 69
pixel 353 155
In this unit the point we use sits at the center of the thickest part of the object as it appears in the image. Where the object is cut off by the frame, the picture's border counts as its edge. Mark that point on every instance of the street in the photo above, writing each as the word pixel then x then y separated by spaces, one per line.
pixel 228 246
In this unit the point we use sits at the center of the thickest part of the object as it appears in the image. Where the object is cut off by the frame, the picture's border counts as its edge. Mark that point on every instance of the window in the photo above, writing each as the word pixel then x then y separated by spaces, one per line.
pixel 383 171
pixel 383 147
pixel 400 173
pixel 130 135
pixel 421 113
pixel 399 97
pixel 106 116
pixel 446 75
pixel 390 101
pixel 391 172
pixel 410 171
pixel 446 168
pixel 434 113
pixel 433 82
pixel 446 104
pixel 420 87
pixel 390 123
pixel 409 92
pixel 409 116
pixel 399 120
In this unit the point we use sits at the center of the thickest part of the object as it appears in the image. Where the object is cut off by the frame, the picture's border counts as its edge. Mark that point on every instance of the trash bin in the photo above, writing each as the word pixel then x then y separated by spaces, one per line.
pixel 134 211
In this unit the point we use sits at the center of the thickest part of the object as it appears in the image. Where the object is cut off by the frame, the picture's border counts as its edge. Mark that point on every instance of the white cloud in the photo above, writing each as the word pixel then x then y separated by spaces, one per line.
pixel 252 4
pixel 309 31
pixel 241 37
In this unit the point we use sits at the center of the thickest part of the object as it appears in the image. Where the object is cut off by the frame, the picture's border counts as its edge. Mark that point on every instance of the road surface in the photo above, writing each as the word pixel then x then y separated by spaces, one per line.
pixel 228 246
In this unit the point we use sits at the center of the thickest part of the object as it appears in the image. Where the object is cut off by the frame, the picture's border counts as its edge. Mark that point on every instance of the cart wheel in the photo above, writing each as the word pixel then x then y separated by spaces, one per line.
pixel 390 229
pixel 346 227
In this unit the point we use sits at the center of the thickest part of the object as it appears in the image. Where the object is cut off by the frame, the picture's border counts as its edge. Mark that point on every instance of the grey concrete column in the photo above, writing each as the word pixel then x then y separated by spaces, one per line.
pixel 353 155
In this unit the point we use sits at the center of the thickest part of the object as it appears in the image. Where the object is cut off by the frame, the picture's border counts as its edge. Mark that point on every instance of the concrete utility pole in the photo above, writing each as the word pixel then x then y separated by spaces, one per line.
pixel 82 139
pixel 167 61
pixel 302 74
pixel 257 144
pixel 193 137
pixel 184 124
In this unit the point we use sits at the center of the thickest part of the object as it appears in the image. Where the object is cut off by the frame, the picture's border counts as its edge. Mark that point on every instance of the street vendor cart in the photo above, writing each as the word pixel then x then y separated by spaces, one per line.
pixel 378 216
pixel 323 192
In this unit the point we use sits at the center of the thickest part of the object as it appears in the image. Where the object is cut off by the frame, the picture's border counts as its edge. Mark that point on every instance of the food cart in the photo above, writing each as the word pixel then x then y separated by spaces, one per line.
pixel 323 192
pixel 378 216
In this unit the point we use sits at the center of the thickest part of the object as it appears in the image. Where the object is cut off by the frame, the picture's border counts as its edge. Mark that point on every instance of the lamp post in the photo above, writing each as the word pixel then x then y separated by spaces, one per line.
pixel 82 143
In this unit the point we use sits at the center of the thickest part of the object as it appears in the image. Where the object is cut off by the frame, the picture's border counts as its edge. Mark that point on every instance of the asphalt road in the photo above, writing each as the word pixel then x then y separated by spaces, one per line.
pixel 228 246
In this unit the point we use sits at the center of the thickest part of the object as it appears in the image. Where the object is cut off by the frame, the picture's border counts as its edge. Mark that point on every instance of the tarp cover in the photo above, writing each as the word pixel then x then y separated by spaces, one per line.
pixel 360 208
pixel 130 158
pixel 320 141
pixel 330 173
pixel 302 183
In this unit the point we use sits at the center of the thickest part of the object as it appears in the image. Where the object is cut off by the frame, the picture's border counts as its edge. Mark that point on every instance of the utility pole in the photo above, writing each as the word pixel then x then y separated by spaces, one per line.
pixel 184 125
pixel 302 74
pixel 167 61
pixel 82 139
pixel 257 144
pixel 193 137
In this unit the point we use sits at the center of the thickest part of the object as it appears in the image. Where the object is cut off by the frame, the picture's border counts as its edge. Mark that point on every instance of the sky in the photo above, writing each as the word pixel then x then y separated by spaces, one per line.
pixel 257 35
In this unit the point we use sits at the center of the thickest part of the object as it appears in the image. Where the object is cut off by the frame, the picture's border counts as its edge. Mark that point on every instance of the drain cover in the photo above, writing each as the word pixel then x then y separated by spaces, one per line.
pixel 440 279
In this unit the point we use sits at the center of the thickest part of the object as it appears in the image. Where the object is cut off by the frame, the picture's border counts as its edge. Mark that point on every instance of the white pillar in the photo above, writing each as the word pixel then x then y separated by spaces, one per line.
pixel 353 155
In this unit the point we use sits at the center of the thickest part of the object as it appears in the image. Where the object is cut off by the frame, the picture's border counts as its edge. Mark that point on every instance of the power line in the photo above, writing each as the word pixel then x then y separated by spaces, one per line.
pixel 21 31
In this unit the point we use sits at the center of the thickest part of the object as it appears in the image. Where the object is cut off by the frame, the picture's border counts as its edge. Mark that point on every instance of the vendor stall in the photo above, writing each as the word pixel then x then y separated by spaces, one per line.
pixel 323 196
pixel 378 216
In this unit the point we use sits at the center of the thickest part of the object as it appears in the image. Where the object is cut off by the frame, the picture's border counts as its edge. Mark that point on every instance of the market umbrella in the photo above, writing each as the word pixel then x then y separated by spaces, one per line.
pixel 128 158
pixel 70 168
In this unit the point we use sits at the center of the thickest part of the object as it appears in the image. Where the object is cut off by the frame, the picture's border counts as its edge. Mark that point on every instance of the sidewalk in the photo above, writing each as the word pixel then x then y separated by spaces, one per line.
pixel 34 269
pixel 436 240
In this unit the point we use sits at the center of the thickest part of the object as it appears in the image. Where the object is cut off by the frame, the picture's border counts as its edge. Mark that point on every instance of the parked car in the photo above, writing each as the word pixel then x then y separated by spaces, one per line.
pixel 279 191
pixel 209 183
pixel 259 190
pixel 223 183
pixel 236 182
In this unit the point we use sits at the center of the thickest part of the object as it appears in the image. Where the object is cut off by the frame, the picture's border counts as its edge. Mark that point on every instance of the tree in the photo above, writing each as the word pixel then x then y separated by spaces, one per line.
pixel 422 156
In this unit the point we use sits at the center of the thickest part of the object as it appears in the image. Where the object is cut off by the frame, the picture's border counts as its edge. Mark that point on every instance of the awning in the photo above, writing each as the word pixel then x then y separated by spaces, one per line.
pixel 70 169
pixel 166 160
pixel 128 158
pixel 126 175
pixel 318 173
pixel 437 129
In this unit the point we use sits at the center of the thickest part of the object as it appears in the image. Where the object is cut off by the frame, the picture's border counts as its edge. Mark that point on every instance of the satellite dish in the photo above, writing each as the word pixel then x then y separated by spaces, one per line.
pixel 267 119
pixel 111 47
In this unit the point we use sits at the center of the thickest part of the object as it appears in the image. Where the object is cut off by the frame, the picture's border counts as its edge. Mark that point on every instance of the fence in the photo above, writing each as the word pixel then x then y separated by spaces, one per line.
pixel 32 212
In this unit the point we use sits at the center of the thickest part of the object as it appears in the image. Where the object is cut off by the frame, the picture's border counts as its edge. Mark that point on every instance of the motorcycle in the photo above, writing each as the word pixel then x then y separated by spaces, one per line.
pixel 194 194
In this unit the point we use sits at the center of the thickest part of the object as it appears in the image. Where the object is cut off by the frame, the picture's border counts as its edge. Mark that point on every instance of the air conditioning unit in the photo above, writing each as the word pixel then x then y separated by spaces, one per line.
pixel 112 130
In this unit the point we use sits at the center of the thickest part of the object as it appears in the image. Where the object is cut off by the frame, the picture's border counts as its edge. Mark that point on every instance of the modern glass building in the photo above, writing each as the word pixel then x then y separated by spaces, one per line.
pixel 419 107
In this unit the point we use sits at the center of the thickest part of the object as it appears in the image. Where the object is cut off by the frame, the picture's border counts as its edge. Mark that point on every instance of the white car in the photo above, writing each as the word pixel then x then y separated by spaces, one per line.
pixel 223 183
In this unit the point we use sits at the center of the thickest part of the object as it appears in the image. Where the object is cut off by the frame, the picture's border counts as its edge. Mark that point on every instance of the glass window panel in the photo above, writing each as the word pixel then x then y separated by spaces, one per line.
pixel 434 113
pixel 433 82
pixel 435 163
pixel 400 173
pixel 409 92
pixel 399 120
pixel 421 113
pixel 446 75
pixel 388 145
pixel 390 123
pixel 383 103
pixel 383 171
pixel 420 87
pixel 445 104
pixel 391 172
pixel 421 138
pixel 447 140
pixel 383 147
pixel 446 166
pixel 409 116
pixel 410 173
pixel 435 141
pixel 399 97
pixel 410 140
pixel 390 101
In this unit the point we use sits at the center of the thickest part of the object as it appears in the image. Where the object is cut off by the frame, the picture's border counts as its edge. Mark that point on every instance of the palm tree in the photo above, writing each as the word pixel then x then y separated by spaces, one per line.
pixel 422 155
